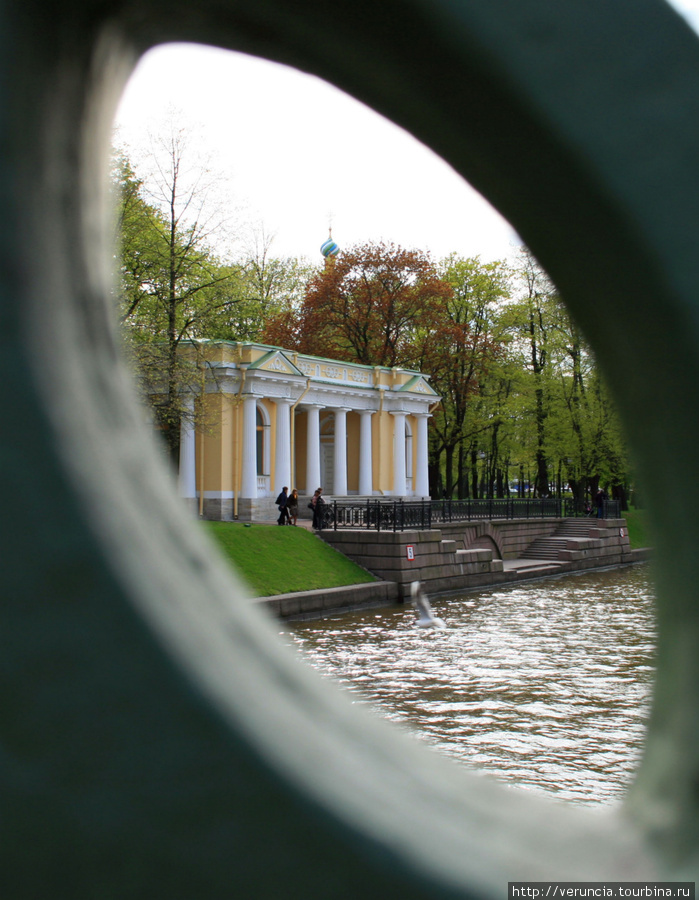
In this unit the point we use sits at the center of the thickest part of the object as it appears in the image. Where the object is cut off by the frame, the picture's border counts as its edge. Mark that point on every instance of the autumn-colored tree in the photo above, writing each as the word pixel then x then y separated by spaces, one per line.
pixel 366 305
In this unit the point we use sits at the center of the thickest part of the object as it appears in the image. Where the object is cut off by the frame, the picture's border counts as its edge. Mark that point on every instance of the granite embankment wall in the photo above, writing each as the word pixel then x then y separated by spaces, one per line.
pixel 467 555
pixel 472 556
pixel 329 600
pixel 507 538
pixel 404 557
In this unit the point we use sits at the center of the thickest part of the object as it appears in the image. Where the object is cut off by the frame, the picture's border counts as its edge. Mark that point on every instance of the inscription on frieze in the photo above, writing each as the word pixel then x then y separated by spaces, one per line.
pixel 334 373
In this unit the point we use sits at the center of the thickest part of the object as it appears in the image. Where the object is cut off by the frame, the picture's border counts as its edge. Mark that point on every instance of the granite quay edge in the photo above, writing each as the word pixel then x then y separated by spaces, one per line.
pixel 324 602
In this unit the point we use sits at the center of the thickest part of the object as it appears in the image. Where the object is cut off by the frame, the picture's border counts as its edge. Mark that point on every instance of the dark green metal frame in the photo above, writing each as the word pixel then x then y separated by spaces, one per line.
pixel 157 741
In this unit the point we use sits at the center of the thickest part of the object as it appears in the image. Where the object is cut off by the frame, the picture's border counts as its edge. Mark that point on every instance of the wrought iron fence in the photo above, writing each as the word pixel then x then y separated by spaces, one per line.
pixel 397 515
pixel 379 515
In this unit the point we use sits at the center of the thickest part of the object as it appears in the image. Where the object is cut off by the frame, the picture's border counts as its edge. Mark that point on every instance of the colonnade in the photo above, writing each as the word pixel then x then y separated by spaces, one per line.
pixel 283 453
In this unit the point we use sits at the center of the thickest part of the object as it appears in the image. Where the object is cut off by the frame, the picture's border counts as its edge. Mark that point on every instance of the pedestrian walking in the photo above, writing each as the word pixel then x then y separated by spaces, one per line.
pixel 292 507
pixel 281 502
pixel 316 505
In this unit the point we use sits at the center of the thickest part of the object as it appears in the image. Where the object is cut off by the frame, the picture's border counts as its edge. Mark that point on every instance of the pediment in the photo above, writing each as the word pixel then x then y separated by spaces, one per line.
pixel 418 385
pixel 275 362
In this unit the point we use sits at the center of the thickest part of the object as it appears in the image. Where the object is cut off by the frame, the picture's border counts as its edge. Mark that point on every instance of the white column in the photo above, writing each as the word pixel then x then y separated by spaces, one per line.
pixel 422 483
pixel 248 485
pixel 187 478
pixel 340 453
pixel 366 480
pixel 398 454
pixel 313 449
pixel 282 447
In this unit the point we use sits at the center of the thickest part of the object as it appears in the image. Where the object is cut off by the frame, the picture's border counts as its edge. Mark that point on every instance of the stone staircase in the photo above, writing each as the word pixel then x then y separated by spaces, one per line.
pixel 572 539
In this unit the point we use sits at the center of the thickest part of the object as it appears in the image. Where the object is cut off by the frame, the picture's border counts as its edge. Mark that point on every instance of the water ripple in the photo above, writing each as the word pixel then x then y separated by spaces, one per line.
pixel 545 685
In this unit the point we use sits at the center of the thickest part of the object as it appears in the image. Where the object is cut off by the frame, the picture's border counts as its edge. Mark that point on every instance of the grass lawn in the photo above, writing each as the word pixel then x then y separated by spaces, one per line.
pixel 276 560
pixel 636 522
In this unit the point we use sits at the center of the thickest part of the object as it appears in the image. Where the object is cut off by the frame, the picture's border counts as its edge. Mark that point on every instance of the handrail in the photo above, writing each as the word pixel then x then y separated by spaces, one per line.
pixel 400 514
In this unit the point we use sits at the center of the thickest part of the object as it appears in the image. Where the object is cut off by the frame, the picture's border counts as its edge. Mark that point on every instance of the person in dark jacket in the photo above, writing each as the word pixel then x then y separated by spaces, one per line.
pixel 317 504
pixel 600 497
pixel 292 507
pixel 281 502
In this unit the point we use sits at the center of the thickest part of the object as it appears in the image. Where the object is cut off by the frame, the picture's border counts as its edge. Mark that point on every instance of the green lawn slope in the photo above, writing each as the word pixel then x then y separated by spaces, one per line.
pixel 276 560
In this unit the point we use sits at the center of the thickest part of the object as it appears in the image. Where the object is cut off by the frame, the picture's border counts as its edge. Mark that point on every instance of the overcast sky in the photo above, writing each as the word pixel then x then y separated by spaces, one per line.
pixel 297 155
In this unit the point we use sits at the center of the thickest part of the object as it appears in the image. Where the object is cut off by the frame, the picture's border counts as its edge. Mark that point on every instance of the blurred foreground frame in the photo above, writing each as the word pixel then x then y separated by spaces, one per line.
pixel 157 741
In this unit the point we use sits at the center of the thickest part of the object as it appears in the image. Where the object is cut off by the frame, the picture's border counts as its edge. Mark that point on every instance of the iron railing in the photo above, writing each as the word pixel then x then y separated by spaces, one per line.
pixel 399 515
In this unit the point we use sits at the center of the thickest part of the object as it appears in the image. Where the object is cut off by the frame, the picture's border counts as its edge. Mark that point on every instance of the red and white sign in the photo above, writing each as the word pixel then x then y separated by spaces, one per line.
pixel 410 551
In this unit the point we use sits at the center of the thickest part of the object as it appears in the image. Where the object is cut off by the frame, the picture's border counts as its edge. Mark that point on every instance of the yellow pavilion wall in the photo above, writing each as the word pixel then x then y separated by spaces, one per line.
pixel 214 442
pixel 382 446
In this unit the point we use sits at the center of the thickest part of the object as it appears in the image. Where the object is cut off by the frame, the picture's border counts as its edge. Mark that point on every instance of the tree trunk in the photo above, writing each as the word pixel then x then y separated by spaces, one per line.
pixel 434 475
pixel 449 470
pixel 499 483
pixel 474 474
pixel 462 484
pixel 619 493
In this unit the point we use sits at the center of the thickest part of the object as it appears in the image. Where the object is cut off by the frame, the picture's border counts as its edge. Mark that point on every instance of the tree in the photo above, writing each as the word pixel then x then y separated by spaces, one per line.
pixel 269 287
pixel 587 438
pixel 567 425
pixel 365 306
pixel 531 319
pixel 458 348
pixel 174 289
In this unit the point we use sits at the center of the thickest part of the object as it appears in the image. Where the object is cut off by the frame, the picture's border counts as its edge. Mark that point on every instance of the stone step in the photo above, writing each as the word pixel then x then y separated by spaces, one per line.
pixel 567 531
pixel 535 570
pixel 541 553
pixel 546 548
pixel 548 542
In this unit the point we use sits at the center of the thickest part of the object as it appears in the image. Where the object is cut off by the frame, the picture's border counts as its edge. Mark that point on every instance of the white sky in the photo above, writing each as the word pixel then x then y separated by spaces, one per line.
pixel 298 155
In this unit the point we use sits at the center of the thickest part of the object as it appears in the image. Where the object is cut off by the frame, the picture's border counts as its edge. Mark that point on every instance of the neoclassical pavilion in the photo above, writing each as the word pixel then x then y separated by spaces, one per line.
pixel 284 418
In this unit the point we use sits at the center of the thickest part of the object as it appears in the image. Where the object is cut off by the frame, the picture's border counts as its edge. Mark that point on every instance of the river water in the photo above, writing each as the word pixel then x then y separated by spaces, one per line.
pixel 545 685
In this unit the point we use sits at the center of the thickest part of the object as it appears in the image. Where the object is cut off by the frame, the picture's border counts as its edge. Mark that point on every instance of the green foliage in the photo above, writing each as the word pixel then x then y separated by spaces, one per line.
pixel 571 434
pixel 461 351
pixel 523 402
pixel 275 560
pixel 174 289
